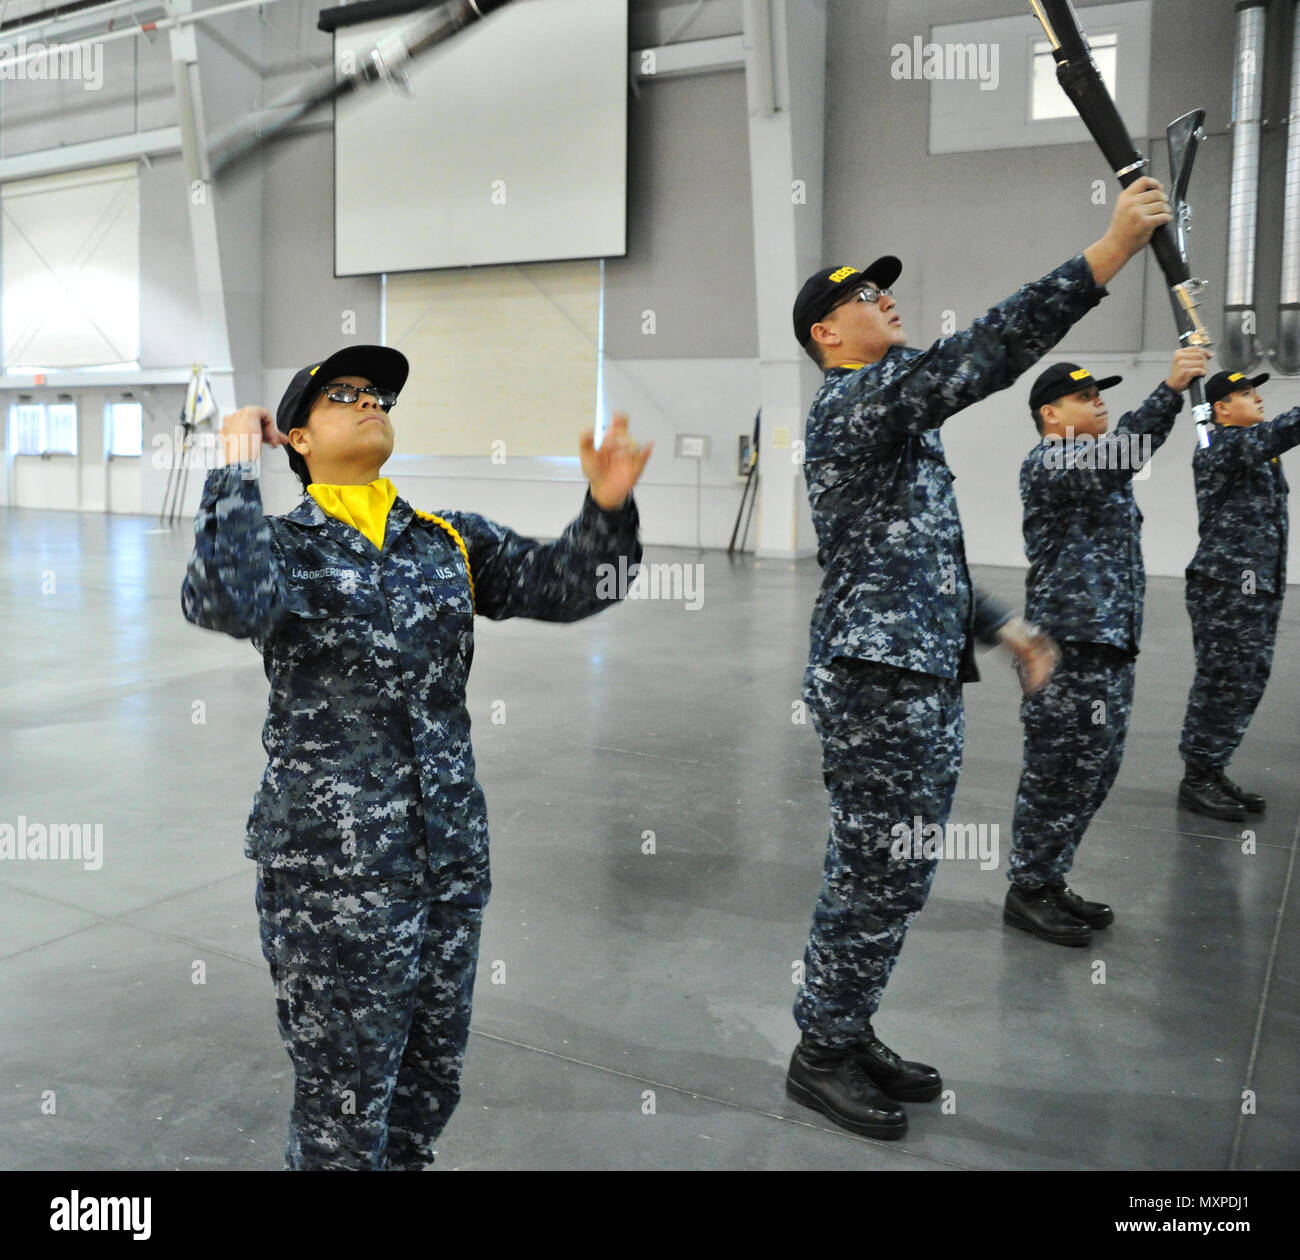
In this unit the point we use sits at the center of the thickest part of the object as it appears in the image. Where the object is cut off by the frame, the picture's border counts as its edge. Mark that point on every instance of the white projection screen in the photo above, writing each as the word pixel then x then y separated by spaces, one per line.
pixel 513 148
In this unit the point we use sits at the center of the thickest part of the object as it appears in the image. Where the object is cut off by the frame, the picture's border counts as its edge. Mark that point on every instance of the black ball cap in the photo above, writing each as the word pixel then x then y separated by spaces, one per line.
pixel 380 365
pixel 832 284
pixel 1065 378
pixel 1221 384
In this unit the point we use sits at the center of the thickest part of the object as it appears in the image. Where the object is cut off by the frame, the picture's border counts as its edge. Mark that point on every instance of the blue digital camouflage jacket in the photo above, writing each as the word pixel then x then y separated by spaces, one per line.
pixel 370 770
pixel 1083 528
pixel 1241 494
pixel 896 587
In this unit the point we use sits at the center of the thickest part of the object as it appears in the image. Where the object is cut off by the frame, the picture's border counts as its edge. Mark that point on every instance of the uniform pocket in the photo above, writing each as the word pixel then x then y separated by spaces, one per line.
pixel 870 687
pixel 340 597
pixel 447 597
pixel 300 941
pixel 862 719
pixel 849 689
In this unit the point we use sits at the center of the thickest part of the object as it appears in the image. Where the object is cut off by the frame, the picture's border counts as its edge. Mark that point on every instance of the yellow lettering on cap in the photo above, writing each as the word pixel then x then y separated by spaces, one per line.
pixel 1080 374
pixel 314 370
pixel 1237 376
pixel 843 274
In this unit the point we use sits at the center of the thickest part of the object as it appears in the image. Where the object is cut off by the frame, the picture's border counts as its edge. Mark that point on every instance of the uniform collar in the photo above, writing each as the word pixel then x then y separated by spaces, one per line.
pixel 891 353
pixel 309 513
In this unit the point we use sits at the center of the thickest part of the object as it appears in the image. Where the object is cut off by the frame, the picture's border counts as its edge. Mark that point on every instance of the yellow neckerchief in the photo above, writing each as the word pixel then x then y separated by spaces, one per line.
pixel 366 509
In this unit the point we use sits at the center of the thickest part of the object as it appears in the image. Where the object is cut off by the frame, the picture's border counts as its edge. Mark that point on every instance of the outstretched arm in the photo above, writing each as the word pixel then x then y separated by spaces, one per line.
pixel 1258 443
pixel 584 570
pixel 1093 471
pixel 999 346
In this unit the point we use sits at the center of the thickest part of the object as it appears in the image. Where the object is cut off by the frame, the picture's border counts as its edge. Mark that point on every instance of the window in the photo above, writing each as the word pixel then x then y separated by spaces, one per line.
pixel 38 429
pixel 61 428
pixel 125 428
pixel 1047 101
pixel 27 429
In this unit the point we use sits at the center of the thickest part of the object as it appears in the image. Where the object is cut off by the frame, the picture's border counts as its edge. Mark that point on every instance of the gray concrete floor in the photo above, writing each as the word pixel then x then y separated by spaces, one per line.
pixel 624 972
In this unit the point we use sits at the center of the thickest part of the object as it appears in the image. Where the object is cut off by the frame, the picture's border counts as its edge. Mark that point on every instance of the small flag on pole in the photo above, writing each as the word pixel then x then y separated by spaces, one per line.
pixel 200 406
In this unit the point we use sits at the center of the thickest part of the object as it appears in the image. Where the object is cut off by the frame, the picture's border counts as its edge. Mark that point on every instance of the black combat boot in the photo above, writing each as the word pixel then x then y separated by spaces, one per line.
pixel 1254 804
pixel 1094 913
pixel 1035 910
pixel 1202 793
pixel 901 1079
pixel 835 1083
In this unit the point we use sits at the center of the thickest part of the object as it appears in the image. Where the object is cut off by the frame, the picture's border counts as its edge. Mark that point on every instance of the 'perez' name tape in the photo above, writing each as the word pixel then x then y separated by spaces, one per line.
pixel 459 541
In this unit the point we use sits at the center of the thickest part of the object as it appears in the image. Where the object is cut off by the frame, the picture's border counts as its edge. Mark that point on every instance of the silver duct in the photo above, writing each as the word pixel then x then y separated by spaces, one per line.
pixel 1286 358
pixel 1240 350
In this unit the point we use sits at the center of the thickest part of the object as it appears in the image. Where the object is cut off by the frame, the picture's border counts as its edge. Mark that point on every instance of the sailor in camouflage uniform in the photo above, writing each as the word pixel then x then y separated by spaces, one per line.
pixel 894 625
pixel 370 828
pixel 1085 587
pixel 1235 586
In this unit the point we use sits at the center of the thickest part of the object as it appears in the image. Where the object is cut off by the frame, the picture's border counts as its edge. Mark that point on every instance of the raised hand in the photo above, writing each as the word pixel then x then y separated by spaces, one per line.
pixel 243 432
pixel 1189 363
pixel 616 466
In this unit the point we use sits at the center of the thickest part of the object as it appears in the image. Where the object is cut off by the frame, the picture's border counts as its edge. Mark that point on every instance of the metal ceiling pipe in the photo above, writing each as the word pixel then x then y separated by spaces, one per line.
pixel 1286 357
pixel 1240 346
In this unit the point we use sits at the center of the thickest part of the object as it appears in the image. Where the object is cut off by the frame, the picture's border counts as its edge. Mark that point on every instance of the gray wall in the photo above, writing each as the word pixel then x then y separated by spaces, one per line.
pixel 170 328
pixel 690 226
pixel 303 305
pixel 136 93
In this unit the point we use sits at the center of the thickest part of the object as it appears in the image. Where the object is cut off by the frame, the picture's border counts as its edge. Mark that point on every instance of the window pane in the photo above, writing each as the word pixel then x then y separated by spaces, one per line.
pixel 125 428
pixel 61 428
pixel 1047 100
pixel 25 428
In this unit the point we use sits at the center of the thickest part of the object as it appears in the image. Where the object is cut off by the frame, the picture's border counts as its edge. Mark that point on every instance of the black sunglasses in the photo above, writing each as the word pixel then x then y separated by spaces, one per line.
pixel 867 293
pixel 384 398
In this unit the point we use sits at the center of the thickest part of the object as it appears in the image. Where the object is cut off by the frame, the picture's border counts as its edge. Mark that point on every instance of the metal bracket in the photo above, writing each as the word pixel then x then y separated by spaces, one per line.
pixel 388 61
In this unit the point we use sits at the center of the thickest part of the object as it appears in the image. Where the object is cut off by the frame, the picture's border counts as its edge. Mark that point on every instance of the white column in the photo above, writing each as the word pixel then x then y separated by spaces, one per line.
pixel 214 89
pixel 785 68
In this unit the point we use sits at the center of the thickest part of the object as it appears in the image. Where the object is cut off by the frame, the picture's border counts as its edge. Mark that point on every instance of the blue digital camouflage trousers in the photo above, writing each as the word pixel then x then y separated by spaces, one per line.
pixel 891 753
pixel 1233 635
pixel 374 981
pixel 1074 733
